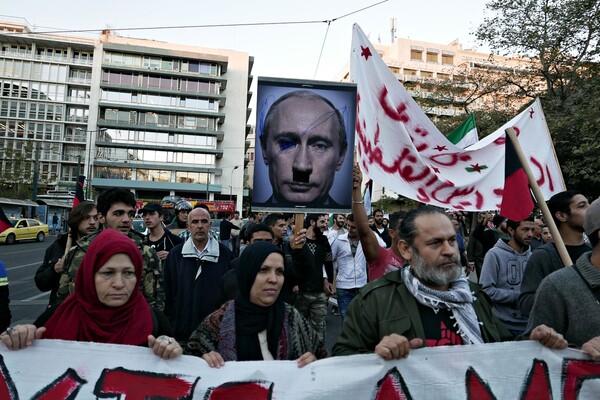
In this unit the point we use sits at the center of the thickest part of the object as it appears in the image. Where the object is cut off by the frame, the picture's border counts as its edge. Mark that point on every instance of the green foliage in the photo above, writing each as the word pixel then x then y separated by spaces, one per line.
pixel 385 203
pixel 390 204
pixel 561 37
pixel 16 174
pixel 575 127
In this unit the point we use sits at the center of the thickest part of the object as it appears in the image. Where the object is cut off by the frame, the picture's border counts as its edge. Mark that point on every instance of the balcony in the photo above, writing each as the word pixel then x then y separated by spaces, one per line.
pixel 81 81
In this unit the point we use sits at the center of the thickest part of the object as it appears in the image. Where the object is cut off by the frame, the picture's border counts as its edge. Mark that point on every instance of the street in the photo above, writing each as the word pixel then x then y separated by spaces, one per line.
pixel 22 259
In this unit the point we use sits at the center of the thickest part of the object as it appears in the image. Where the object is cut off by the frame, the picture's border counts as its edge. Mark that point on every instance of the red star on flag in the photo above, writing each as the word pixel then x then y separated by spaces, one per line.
pixel 440 148
pixel 366 52
pixel 435 169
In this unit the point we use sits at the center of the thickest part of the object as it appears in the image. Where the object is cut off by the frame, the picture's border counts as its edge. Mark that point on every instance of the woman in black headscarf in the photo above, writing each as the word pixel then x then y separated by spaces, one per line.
pixel 257 325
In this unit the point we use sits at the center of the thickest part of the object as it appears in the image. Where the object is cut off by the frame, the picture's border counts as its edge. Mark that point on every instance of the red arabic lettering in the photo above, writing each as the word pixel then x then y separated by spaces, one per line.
pixel 419 130
pixel 392 387
pixel 140 385
pixel 8 390
pixel 550 182
pixel 537 384
pixel 398 113
pixel 476 387
pixel 574 373
pixel 251 390
pixel 538 165
pixel 65 387
pixel 406 163
pixel 449 159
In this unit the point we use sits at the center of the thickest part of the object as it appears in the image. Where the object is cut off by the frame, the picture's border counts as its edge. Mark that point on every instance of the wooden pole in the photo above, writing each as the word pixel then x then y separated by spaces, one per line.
pixel 539 197
pixel 298 222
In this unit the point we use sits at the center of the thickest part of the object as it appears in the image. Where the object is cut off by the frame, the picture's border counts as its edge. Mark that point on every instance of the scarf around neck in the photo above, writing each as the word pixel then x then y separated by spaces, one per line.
pixel 458 299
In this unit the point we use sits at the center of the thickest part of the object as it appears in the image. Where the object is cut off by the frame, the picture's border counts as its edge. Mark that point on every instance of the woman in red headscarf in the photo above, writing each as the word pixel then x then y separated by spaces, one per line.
pixel 107 305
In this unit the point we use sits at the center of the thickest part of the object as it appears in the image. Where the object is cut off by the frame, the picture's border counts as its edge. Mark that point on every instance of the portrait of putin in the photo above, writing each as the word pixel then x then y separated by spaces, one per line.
pixel 304 143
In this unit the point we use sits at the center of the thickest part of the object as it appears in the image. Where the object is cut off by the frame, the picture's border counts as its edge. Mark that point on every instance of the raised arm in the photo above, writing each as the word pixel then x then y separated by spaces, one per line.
pixel 368 240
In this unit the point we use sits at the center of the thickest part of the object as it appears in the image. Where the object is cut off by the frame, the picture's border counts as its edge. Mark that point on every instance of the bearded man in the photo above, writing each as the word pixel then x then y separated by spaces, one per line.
pixel 430 303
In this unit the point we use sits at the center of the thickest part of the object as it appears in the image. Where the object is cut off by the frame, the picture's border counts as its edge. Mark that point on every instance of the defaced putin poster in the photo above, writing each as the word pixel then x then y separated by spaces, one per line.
pixel 304 146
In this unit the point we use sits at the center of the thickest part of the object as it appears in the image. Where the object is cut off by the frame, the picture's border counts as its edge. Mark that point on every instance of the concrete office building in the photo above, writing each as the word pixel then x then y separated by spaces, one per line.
pixel 158 118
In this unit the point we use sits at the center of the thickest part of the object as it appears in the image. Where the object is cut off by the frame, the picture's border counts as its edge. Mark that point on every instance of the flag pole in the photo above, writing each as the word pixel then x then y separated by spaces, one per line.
pixel 539 197
pixel 78 198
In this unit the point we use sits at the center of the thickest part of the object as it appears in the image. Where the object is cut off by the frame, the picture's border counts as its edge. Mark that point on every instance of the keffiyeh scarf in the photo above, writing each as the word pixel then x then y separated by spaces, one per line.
pixel 458 299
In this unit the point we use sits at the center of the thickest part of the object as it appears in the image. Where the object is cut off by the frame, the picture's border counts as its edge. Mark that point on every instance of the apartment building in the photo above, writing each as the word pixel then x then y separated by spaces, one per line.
pixel 158 118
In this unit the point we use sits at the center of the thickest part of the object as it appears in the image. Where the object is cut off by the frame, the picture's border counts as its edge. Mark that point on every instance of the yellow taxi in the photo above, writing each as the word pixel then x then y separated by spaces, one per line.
pixel 23 229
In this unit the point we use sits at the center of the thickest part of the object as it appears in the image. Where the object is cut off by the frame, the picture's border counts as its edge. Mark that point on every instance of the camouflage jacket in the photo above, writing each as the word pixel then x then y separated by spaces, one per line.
pixel 151 285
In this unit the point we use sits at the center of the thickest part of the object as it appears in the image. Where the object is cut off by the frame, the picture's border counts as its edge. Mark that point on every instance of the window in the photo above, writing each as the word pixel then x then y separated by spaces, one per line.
pixel 153 175
pixel 83 57
pixel 426 74
pixel 416 55
pixel 191 177
pixel 447 58
pixel 432 57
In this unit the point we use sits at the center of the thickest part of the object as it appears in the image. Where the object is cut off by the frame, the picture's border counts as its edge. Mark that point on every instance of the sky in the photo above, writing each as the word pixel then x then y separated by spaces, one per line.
pixel 287 51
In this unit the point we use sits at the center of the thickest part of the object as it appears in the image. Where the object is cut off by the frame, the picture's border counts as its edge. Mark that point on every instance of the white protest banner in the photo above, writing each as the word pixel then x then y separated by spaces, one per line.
pixel 54 369
pixel 399 147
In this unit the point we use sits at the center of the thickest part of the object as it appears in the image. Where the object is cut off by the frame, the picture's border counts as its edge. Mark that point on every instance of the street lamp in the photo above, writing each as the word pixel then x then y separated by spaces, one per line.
pixel 207 183
pixel 36 172
pixel 78 165
pixel 89 159
pixel 231 183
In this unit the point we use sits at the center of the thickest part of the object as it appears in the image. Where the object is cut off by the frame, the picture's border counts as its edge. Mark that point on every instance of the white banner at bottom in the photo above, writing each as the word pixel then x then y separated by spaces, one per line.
pixel 54 369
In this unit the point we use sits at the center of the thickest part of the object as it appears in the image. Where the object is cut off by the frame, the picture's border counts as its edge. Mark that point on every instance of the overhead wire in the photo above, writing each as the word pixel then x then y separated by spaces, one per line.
pixel 243 24
pixel 150 28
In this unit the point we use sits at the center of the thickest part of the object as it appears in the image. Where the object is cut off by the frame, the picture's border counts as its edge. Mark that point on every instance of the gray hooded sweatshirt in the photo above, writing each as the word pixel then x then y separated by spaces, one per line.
pixel 501 276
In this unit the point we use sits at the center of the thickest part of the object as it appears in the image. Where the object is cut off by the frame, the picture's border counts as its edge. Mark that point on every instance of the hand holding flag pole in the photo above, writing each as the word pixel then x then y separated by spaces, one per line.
pixel 539 197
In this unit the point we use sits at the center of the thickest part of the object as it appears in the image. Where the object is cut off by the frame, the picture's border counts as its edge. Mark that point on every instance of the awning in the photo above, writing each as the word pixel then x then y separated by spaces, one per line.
pixel 55 203
pixel 17 202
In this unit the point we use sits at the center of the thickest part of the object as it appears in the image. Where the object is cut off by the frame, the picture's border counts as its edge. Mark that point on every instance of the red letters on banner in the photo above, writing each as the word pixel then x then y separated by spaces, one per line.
pixel 121 382
pixel 141 385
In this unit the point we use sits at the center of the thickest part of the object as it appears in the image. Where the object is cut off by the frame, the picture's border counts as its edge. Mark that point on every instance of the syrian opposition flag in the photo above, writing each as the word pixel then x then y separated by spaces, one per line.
pixel 4 221
pixel 79 191
pixel 400 148
pixel 367 195
pixel 466 133
pixel 517 203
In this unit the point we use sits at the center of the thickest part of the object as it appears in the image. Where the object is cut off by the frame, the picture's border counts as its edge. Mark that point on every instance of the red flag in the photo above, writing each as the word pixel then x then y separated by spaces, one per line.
pixel 79 191
pixel 4 221
pixel 517 203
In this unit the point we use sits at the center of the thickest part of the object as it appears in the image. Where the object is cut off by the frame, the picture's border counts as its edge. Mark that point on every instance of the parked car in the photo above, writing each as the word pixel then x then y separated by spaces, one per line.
pixel 24 229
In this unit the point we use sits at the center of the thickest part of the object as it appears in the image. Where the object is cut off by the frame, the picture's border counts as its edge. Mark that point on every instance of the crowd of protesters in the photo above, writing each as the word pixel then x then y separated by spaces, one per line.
pixel 262 290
